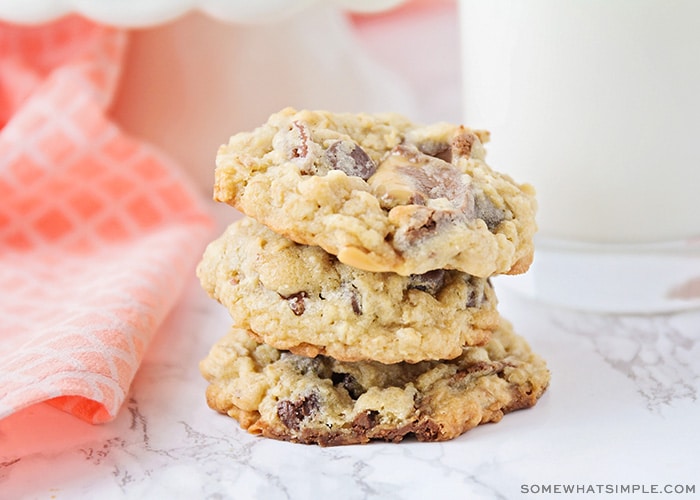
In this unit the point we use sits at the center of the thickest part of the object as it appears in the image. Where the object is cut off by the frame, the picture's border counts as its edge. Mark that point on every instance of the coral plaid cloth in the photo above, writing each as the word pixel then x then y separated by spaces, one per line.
pixel 98 232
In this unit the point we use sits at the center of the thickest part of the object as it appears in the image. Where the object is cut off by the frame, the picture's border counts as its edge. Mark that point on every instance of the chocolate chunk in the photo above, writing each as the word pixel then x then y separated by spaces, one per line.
pixel 426 225
pixel 349 383
pixel 487 211
pixel 437 149
pixel 430 282
pixel 437 181
pixel 366 420
pixel 350 158
pixel 296 302
pixel 293 413
pixel 406 176
pixel 476 293
pixel 445 155
pixel 472 298
pixel 431 178
pixel 424 222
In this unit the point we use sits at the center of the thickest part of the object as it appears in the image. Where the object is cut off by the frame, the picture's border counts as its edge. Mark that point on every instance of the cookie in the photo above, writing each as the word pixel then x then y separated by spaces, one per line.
pixel 300 298
pixel 381 193
pixel 320 400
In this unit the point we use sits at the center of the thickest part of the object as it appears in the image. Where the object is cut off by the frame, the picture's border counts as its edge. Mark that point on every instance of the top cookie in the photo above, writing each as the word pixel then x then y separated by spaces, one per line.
pixel 380 193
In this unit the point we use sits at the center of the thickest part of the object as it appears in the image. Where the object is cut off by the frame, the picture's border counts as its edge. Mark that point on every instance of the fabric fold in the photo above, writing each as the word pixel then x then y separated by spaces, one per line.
pixel 99 232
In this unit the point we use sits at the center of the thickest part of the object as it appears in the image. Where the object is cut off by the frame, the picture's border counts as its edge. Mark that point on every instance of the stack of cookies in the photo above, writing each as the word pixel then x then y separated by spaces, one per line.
pixel 358 281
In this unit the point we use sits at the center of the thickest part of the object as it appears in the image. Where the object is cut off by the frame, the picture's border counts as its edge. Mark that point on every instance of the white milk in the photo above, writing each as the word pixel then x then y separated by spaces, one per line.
pixel 597 104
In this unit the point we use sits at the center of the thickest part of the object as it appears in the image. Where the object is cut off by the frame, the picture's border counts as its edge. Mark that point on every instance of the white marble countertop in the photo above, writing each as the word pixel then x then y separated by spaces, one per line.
pixel 621 412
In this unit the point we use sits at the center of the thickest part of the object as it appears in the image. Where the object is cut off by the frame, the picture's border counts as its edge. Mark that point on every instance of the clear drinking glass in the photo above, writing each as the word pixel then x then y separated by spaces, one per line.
pixel 597 104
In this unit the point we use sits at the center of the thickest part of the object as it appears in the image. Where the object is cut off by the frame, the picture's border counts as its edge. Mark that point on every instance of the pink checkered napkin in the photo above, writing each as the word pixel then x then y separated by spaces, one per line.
pixel 98 232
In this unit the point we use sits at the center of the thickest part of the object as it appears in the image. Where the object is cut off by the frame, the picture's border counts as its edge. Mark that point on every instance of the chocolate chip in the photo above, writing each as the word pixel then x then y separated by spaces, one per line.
pixel 293 413
pixel 487 211
pixel 296 302
pixel 437 149
pixel 350 158
pixel 424 223
pixel 355 300
pixel 349 383
pixel 430 282
pixel 475 293
pixel 472 298
pixel 366 420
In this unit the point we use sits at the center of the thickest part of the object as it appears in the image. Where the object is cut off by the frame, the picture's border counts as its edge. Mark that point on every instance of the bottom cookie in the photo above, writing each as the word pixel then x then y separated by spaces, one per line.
pixel 323 401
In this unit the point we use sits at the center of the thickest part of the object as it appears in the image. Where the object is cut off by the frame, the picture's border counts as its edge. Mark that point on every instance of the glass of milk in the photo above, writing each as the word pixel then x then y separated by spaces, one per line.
pixel 597 104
